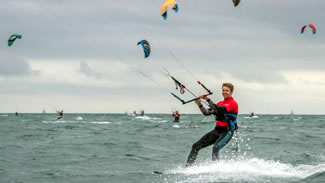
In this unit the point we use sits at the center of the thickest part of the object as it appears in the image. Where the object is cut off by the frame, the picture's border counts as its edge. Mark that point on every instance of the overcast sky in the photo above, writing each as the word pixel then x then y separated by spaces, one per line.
pixel 82 55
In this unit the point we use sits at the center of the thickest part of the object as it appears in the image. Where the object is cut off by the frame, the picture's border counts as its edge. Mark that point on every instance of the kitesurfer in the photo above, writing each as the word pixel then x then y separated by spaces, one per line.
pixel 60 114
pixel 176 116
pixel 225 112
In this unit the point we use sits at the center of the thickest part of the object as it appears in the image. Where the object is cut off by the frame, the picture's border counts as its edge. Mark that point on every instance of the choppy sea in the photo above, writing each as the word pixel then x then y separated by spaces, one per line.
pixel 38 148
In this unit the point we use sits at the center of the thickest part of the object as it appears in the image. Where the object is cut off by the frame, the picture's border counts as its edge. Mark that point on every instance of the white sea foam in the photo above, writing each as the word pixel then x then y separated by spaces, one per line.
pixel 176 126
pixel 249 170
pixel 60 121
pixel 79 118
pixel 100 122
pixel 163 121
pixel 143 117
pixel 253 117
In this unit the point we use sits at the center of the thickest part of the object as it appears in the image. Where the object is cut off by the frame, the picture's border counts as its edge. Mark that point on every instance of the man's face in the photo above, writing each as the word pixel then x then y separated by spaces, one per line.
pixel 226 93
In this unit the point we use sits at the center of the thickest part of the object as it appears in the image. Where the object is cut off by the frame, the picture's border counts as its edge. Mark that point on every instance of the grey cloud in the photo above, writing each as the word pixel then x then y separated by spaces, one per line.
pixel 212 34
pixel 85 69
pixel 259 76
pixel 254 42
pixel 14 66
pixel 18 88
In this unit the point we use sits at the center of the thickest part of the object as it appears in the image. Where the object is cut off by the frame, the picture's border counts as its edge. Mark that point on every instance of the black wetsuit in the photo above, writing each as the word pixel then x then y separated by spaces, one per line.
pixel 60 115
pixel 218 137
pixel 215 137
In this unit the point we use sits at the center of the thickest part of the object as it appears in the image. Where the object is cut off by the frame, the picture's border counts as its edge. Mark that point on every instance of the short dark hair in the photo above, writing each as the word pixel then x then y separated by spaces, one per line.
pixel 229 85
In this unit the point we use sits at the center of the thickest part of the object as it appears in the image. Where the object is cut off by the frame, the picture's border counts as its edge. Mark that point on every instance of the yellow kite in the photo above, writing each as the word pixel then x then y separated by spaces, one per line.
pixel 168 3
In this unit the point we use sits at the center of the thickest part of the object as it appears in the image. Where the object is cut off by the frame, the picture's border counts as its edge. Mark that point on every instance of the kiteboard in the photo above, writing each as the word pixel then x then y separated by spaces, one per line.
pixel 158 172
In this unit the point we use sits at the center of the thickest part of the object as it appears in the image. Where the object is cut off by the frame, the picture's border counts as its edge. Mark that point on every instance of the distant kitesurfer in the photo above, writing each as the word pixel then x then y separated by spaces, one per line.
pixel 16 113
pixel 225 113
pixel 190 124
pixel 142 113
pixel 60 114
pixel 176 116
pixel 252 114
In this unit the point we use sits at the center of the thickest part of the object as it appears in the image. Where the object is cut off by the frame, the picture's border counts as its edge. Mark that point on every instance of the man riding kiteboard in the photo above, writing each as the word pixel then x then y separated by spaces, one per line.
pixel 225 112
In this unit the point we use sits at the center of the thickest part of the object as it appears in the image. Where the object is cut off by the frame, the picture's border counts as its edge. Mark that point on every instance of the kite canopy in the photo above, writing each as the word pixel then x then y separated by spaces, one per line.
pixel 12 38
pixel 236 2
pixel 312 27
pixel 146 47
pixel 170 4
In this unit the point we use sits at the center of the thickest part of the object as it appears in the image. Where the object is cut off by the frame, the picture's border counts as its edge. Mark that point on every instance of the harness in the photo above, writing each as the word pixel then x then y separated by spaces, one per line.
pixel 230 118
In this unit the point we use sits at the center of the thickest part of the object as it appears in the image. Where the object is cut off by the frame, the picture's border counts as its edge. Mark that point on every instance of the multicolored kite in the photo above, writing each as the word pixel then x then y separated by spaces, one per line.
pixel 170 4
pixel 312 27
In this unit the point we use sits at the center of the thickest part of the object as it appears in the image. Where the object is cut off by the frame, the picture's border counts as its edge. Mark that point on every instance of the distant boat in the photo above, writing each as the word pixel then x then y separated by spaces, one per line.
pixel 43 111
pixel 291 113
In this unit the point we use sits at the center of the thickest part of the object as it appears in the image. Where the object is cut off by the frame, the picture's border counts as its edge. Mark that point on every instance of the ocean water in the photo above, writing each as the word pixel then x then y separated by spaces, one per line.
pixel 37 148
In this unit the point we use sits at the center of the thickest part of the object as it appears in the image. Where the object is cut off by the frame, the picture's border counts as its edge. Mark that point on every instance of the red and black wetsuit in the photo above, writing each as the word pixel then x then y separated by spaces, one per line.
pixel 60 114
pixel 225 112
pixel 176 116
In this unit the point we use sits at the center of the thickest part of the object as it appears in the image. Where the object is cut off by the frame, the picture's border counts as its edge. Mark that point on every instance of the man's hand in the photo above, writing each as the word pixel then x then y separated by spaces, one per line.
pixel 204 96
pixel 198 101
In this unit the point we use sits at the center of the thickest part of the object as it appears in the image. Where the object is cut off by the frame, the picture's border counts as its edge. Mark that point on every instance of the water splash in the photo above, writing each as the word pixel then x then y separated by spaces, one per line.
pixel 255 170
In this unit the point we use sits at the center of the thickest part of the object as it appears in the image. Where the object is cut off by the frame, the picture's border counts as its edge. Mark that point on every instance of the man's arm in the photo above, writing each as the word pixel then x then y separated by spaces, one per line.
pixel 218 110
pixel 204 111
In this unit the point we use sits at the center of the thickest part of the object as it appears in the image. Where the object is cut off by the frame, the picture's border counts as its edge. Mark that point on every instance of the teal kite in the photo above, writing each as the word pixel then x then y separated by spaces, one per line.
pixel 12 38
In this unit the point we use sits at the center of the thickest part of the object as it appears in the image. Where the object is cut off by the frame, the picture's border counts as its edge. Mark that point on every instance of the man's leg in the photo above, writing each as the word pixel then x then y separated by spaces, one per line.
pixel 224 138
pixel 206 140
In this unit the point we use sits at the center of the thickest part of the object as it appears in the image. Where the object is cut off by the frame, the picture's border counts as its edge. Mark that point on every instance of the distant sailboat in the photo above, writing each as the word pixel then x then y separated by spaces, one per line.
pixel 291 113
pixel 44 111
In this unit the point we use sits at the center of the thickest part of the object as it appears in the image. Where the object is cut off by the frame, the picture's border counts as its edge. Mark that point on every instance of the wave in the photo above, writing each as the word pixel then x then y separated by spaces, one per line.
pixel 137 157
pixel 143 117
pixel 176 126
pixel 152 119
pixel 315 178
pixel 100 122
pixel 252 170
pixel 249 117
pixel 61 121
pixel 79 118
